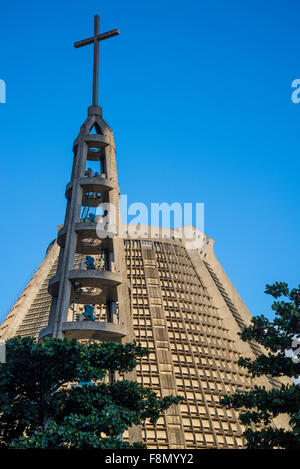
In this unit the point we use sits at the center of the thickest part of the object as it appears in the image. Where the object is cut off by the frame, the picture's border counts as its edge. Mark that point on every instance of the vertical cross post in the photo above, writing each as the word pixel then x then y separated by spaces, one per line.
pixel 96 60
pixel 96 40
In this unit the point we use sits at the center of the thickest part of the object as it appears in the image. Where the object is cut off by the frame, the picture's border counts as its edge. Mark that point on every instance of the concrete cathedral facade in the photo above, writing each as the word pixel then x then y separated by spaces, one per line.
pixel 155 290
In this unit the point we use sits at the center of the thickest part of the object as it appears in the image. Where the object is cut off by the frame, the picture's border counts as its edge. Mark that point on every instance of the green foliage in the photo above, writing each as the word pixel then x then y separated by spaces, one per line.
pixel 259 406
pixel 44 406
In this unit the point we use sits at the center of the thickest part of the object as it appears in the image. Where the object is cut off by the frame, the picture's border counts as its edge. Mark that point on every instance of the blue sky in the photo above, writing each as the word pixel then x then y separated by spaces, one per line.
pixel 198 95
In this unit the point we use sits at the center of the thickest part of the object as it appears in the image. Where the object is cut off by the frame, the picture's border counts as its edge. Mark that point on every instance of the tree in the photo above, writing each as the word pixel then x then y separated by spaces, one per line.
pixel 53 395
pixel 259 406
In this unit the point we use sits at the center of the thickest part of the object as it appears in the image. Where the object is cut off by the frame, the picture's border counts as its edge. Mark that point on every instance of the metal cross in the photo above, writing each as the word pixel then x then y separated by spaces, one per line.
pixel 95 40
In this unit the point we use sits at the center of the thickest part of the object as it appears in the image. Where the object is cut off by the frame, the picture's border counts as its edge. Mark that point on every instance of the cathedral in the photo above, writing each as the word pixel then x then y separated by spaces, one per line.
pixel 98 282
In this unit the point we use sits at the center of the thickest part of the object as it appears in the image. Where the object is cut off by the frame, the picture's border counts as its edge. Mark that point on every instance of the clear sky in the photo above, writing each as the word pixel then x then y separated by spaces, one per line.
pixel 198 94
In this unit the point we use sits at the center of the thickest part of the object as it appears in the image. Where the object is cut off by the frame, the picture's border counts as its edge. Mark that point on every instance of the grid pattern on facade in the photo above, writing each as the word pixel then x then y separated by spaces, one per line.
pixel 172 313
pixel 147 370
pixel 256 349
pixel 191 353
pixel 232 308
pixel 37 315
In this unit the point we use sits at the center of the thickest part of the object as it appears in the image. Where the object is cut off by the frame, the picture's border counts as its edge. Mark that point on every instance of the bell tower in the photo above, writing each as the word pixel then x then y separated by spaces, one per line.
pixel 89 290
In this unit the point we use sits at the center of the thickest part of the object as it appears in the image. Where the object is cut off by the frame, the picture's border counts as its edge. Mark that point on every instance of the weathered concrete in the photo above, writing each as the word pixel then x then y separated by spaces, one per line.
pixel 103 331
pixel 195 339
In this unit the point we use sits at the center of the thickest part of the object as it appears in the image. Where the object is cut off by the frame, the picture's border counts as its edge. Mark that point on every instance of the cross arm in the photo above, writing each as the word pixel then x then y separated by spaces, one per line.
pixel 99 37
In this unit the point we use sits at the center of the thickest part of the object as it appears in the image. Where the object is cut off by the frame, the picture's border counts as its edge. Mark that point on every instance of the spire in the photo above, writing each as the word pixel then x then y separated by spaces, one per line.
pixel 96 40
